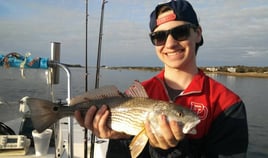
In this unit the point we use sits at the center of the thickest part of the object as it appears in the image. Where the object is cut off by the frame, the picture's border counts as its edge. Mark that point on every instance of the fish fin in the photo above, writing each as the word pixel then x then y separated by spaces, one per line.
pixel 43 113
pixel 136 90
pixel 138 143
pixel 95 94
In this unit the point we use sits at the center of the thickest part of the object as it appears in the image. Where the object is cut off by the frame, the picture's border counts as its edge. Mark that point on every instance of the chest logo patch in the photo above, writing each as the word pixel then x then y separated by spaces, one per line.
pixel 200 110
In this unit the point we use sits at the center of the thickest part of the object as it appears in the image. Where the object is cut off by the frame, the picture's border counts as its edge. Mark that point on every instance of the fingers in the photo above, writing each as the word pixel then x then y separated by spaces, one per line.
pixel 96 121
pixel 99 127
pixel 79 118
pixel 87 120
pixel 155 139
pixel 152 139
pixel 89 117
pixel 104 130
pixel 176 130
pixel 170 135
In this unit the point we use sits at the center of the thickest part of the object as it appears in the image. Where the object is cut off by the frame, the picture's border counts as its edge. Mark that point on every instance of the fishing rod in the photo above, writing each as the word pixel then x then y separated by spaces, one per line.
pixel 99 45
pixel 98 70
pixel 86 81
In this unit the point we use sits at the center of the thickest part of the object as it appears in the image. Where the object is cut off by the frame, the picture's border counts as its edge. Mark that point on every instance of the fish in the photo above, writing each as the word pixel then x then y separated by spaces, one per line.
pixel 128 112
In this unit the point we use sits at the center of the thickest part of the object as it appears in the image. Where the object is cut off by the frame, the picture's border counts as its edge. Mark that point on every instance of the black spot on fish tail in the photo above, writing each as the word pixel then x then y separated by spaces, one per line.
pixel 55 108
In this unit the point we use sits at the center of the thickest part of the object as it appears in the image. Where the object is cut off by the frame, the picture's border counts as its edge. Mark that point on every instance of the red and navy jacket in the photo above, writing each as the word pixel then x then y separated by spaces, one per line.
pixel 223 129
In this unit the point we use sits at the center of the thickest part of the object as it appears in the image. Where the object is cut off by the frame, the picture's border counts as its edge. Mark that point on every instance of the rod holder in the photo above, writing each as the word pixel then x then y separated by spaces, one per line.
pixel 70 119
pixel 55 56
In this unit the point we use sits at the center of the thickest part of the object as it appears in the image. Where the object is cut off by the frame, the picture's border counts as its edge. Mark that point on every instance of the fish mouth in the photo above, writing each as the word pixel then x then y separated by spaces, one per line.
pixel 189 128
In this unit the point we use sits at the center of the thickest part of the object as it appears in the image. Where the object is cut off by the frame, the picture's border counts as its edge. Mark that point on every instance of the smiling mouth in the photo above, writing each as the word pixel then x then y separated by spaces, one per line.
pixel 174 53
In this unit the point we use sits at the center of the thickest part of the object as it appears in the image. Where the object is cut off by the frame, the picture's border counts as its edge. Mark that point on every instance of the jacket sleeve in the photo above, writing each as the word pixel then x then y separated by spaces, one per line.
pixel 180 151
pixel 228 137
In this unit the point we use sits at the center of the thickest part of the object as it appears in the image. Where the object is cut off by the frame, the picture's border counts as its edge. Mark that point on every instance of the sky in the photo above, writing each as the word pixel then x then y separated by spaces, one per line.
pixel 235 32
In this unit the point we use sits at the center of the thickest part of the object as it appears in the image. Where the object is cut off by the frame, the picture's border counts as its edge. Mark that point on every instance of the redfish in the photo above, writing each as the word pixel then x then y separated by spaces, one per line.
pixel 129 111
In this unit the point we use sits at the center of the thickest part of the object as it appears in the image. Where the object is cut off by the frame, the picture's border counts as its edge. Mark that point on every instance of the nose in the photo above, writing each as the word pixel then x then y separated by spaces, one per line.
pixel 170 42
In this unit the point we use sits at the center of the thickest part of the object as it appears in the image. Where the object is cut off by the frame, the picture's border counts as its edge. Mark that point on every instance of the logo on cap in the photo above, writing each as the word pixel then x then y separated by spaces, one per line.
pixel 169 17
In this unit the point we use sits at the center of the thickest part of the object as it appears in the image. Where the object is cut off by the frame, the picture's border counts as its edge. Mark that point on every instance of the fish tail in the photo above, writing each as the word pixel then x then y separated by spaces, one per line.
pixel 43 113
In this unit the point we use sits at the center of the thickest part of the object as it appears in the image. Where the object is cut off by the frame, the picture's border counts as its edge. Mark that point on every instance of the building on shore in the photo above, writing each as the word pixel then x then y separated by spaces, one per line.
pixel 231 69
pixel 212 69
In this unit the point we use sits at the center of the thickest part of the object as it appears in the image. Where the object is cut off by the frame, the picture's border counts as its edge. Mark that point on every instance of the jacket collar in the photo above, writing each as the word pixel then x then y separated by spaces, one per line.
pixel 196 85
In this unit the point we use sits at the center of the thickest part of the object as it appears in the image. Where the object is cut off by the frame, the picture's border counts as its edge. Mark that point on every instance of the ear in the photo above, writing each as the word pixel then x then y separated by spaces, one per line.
pixel 199 34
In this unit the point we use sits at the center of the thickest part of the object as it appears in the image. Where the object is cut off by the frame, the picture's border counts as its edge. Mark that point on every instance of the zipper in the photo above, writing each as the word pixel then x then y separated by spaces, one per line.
pixel 181 94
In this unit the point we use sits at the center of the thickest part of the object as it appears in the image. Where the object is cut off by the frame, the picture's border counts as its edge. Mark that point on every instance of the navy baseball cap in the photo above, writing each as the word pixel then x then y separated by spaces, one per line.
pixel 183 11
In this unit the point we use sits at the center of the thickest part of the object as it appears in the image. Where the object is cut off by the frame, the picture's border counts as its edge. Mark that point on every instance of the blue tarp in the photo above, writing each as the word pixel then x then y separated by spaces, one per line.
pixel 17 60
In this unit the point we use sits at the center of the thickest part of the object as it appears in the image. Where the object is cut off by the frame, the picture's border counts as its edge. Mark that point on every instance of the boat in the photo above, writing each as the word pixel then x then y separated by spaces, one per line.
pixel 68 139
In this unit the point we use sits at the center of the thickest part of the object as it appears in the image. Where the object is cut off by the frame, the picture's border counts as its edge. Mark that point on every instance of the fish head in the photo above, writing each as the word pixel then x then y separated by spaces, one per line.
pixel 185 118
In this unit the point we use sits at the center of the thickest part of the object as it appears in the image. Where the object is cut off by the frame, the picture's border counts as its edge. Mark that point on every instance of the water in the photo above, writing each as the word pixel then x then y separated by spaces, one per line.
pixel 251 90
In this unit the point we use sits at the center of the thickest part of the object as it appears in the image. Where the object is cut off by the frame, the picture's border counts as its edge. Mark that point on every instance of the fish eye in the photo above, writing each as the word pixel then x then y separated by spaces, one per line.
pixel 180 114
pixel 55 108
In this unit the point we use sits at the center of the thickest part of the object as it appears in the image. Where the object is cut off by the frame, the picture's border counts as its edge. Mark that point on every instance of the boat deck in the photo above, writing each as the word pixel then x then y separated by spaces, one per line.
pixel 78 143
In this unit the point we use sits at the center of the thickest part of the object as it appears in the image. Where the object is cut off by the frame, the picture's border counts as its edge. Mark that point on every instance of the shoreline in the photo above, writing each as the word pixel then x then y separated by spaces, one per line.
pixel 141 68
pixel 245 74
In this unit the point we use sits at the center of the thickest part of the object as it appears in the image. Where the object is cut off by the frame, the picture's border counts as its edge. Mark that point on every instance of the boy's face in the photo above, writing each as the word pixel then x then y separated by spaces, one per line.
pixel 174 53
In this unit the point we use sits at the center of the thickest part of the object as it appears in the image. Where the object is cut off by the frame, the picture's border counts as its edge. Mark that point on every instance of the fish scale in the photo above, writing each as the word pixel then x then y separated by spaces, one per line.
pixel 132 119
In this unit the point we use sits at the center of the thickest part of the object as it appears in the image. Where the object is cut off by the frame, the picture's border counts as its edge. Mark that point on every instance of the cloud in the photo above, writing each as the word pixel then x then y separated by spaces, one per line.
pixel 232 29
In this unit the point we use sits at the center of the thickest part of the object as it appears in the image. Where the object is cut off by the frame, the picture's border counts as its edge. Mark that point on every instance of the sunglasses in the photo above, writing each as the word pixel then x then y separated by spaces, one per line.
pixel 179 33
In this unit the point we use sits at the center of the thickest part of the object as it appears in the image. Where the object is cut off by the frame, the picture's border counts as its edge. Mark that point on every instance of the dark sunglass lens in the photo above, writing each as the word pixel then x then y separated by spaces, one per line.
pixel 159 38
pixel 181 33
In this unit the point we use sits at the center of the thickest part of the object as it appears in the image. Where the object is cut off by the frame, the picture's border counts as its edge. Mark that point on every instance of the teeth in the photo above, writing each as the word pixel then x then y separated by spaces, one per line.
pixel 171 54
